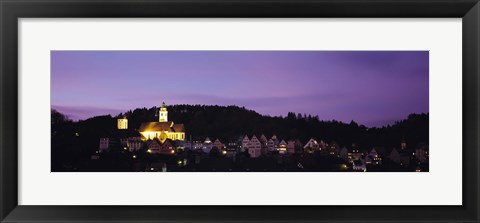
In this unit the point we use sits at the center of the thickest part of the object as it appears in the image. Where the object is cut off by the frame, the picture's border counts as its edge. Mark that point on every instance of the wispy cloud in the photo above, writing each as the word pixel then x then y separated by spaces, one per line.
pixel 84 112
pixel 365 86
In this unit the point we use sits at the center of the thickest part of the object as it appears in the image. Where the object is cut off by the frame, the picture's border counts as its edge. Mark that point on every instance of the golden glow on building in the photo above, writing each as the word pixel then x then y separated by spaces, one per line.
pixel 163 129
pixel 149 135
pixel 122 123
pixel 163 114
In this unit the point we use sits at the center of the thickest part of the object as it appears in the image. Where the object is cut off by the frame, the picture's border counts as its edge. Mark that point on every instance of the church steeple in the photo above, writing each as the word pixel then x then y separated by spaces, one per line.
pixel 163 114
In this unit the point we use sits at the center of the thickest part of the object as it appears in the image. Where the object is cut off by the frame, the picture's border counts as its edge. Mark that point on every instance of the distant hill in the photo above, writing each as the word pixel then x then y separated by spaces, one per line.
pixel 230 122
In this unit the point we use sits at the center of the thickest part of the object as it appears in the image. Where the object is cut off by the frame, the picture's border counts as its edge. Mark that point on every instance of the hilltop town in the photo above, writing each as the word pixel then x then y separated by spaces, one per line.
pixel 163 145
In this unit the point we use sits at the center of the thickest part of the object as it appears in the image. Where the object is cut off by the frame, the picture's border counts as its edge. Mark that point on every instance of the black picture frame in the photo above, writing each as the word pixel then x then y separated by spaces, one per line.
pixel 12 10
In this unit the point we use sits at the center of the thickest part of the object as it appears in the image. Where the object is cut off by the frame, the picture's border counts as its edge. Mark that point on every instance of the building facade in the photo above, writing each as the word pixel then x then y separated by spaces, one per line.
pixel 108 143
pixel 311 146
pixel 218 144
pixel 163 129
pixel 245 142
pixel 155 146
pixel 291 147
pixel 254 147
pixel 282 147
pixel 122 123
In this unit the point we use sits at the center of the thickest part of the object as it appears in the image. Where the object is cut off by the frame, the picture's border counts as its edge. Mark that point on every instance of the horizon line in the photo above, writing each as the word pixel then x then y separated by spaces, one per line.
pixel 121 111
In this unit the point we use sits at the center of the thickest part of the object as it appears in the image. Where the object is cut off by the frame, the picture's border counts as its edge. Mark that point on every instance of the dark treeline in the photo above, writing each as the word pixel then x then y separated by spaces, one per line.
pixel 229 122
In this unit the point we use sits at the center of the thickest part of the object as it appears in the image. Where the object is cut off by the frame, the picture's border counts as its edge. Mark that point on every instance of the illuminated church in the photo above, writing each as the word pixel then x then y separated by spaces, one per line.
pixel 163 129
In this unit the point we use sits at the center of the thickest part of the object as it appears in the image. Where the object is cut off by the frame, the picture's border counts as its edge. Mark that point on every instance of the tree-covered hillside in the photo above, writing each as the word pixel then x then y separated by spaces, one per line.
pixel 73 142
pixel 230 122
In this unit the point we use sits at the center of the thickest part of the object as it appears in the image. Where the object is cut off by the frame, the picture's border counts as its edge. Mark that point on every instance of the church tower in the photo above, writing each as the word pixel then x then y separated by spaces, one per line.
pixel 163 114
pixel 122 123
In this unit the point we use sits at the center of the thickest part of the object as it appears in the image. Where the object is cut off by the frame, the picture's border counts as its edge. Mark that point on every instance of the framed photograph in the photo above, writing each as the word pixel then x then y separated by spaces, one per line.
pixel 255 111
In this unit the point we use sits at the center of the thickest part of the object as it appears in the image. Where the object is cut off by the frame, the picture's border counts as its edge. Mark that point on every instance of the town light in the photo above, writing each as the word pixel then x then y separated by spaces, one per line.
pixel 134 156
pixel 224 152
pixel 149 151
pixel 172 151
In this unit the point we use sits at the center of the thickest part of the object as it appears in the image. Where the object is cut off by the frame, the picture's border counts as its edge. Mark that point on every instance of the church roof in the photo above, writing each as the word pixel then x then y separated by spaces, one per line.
pixel 207 140
pixel 263 138
pixel 161 126
pixel 167 142
pixel 178 128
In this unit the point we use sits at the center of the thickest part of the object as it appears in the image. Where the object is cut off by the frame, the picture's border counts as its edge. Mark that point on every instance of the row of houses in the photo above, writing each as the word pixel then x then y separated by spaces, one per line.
pixel 258 146
pixel 132 143
pixel 254 146
pixel 377 156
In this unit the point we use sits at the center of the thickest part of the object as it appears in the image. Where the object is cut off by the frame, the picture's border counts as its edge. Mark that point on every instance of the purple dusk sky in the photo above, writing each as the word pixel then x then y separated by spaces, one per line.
pixel 373 88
